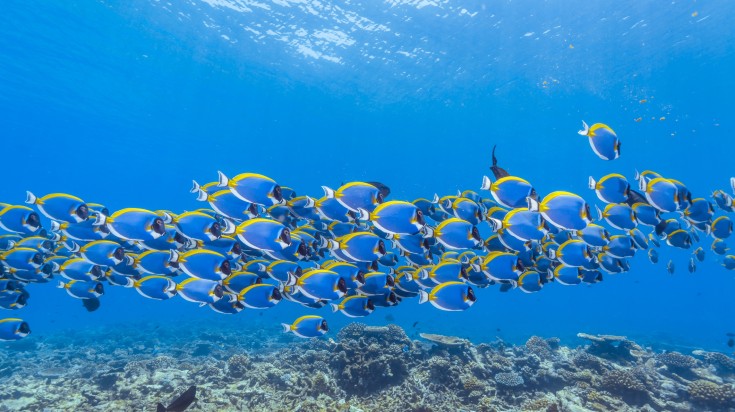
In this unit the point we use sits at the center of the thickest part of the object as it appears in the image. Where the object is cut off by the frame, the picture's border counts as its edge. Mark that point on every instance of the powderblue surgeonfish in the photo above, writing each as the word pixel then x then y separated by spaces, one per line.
pixel 260 296
pixel 661 193
pixel 467 209
pixel 354 277
pixel 359 246
pixel 444 271
pixel 455 234
pixel 237 281
pixel 603 140
pixel 81 270
pixel 618 215
pixel 563 209
pixel 377 283
pixel 355 306
pixel 719 247
pixel 396 217
pixel 225 203
pixel 509 191
pixel 13 329
pixel 567 275
pixel 530 281
pixel 358 195
pixel 722 227
pixel 253 188
pixel 82 289
pixel 594 235
pixel 60 206
pixel 646 214
pixel 612 188
pixel 679 238
pixel 522 224
pixel 102 252
pixel 21 258
pixel 201 226
pixel 309 326
pixel 574 253
pixel 155 262
pixel 620 246
pixel 319 284
pixel 134 224
pixel 280 270
pixel 202 291
pixel 699 211
pixel 202 264
pixel 449 296
pixel 264 234
pixel 19 219
pixel 332 209
pixel 501 267
pixel 156 287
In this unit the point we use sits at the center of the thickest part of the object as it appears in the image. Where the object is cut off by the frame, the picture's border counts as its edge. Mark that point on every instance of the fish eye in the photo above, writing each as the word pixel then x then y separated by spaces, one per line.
pixel 463 273
pixel 278 193
pixel 380 197
pixel 253 209
pixel 471 294
pixel 24 328
pixel 360 277
pixel 258 280
pixel 158 226
pixel 298 272
pixel 225 267
pixel 215 230
pixel 370 305
pixel 119 254
pixel 276 295
pixel 420 217
pixel 46 269
pixel 99 288
pixel 476 234
pixel 381 247
pixel 218 291
pixel 286 236
pixel 83 212
pixel 392 298
pixel 303 250
pixel 342 285
pixel 96 271
pixel 324 326
pixel 390 281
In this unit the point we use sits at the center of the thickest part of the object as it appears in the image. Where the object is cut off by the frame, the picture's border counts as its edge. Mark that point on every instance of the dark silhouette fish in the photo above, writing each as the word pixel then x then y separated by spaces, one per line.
pixel 91 304
pixel 181 403
pixel 635 197
pixel 384 190
pixel 498 171
pixel 731 342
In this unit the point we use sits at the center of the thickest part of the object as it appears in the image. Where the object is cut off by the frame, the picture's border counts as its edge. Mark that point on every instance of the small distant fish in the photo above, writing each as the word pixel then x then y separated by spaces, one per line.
pixel 692 265
pixel 695 14
pixel 731 342
pixel 653 255
pixel 309 326
pixel 181 403
pixel 414 324
pixel 662 118
pixel 91 304
pixel 638 119
pixel 643 101
pixel 670 267
pixel 603 140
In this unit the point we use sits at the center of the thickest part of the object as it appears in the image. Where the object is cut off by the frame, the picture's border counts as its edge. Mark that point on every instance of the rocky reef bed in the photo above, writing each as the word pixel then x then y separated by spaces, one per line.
pixel 362 368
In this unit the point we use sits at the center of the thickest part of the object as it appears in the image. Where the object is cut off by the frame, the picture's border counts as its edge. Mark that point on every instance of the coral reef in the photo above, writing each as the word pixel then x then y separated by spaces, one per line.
pixel 362 368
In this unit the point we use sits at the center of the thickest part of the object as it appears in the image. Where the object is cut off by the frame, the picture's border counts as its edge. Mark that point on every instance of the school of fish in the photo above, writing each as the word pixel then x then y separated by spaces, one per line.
pixel 257 243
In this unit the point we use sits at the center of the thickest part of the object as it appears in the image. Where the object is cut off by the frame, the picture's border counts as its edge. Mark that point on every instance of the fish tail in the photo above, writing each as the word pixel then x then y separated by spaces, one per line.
pixel 310 203
pixel 230 227
pixel 496 224
pixel 195 187
pixel 174 257
pixel 73 247
pixel 427 231
pixel 599 212
pixel 61 285
pixel 329 192
pixel 363 214
pixel 31 198
pixel 592 184
pixel 222 180
pixel 286 327
pixel 585 129
pixel 423 296
pixel 201 195
pixel 732 184
pixel 533 204
pixel 334 306
pixel 486 183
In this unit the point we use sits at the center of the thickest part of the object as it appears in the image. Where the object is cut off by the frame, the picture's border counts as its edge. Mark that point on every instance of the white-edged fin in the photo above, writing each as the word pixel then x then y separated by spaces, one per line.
pixel 60 285
pixel 423 274
pixel 30 198
pixel 363 214
pixel 585 129
pixel 73 247
pixel 201 195
pixel 54 237
pixel 286 327
pixel 230 227
pixel 486 183
pixel 334 306
pixel 591 183
pixel 129 260
pixel 310 203
pixel 732 184
pixel 195 187
pixel 332 245
pixel 55 226
pixel 533 204
pixel 55 267
pixel 427 232
pixel 552 254
pixel 642 185
pixel 328 192
pixel 435 199
pixel 174 257
pixel 637 175
pixel 459 193
pixel 222 180
pixel 599 213
pixel 291 281
pixel 549 274
pixel 100 219
pixel 423 296
pixel 496 224
pixel 167 218
pixel 11 244
pixel 476 268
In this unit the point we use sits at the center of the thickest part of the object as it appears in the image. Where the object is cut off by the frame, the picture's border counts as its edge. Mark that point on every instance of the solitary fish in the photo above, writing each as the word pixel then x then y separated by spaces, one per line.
pixel 181 403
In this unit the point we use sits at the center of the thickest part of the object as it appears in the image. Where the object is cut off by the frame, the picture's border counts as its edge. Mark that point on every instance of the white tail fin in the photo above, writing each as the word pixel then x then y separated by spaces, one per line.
pixel 195 188
pixel 533 204
pixel 435 199
pixel 496 224
pixel 55 267
pixel 334 306
pixel 552 254
pixel 486 183
pixel 585 129
pixel 427 231
pixel 54 237
pixel 310 203
pixel 642 184
pixel 599 213
pixel 591 183
pixel 174 258
pixel 60 285
pixel 476 268
pixel 55 226
pixel 286 327
pixel 363 214
pixel 637 175
pixel 291 281
pixel 30 198
pixel 202 195
pixel 230 227
pixel 100 219
pixel 423 297
pixel 423 274
pixel 732 184
pixel 328 192
pixel 222 180
pixel 549 274
pixel 129 260
pixel 73 247
pixel 167 218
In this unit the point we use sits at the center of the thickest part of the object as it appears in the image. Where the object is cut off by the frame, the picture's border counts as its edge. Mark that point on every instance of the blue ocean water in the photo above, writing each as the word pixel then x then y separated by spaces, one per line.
pixel 125 102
